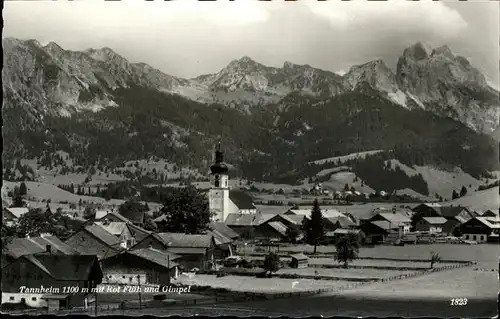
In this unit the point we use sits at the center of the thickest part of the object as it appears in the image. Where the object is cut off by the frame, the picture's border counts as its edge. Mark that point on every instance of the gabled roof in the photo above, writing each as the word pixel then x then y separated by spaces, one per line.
pixel 299 256
pixel 247 219
pixel 383 224
pixel 490 213
pixel 156 256
pixel 224 230
pixel 395 218
pixel 26 246
pixel 294 219
pixel 220 238
pixel 435 220
pixel 117 215
pixel 102 234
pixel 138 232
pixel 180 240
pixel 485 221
pixel 452 211
pixel 100 214
pixel 187 251
pixel 114 228
pixel 241 199
pixel 17 211
pixel 65 267
pixel 343 221
pixel 279 227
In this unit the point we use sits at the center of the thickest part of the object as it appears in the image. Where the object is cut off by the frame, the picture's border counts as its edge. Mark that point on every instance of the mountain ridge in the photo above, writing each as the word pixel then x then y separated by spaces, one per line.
pixel 103 111
pixel 452 87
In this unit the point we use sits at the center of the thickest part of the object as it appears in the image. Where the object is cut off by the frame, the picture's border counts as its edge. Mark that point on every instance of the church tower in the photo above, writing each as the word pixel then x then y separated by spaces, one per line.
pixel 218 196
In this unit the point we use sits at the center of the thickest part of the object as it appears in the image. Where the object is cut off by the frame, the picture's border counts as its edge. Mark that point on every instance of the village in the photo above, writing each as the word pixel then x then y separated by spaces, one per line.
pixel 112 262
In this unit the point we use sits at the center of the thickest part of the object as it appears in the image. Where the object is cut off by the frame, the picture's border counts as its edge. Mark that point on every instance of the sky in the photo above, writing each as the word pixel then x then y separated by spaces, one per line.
pixel 188 38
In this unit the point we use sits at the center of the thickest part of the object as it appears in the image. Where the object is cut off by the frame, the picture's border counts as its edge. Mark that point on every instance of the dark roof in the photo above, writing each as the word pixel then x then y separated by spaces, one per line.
pixel 65 267
pixel 450 211
pixel 223 229
pixel 247 219
pixel 343 221
pixel 220 238
pixel 187 251
pixel 102 234
pixel 156 256
pixel 138 232
pixel 241 199
pixel 25 246
pixel 385 225
pixel 180 240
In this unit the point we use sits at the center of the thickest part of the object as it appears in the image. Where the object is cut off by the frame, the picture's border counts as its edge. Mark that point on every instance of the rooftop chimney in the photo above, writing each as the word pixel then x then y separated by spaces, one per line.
pixel 48 248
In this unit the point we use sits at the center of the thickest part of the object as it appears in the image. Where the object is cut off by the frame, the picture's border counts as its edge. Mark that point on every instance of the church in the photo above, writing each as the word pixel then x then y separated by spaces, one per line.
pixel 222 199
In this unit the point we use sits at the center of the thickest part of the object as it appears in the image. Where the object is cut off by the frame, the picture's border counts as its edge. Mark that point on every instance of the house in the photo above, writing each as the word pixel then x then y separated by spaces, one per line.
pixel 431 224
pixel 35 245
pixel 271 230
pixel 141 266
pixel 394 218
pixel 39 280
pixel 480 229
pixel 450 212
pixel 120 230
pixel 246 224
pixel 224 201
pixel 436 210
pixel 299 261
pixel 224 240
pixel 450 226
pixel 332 223
pixel 13 213
pixel 196 251
pixel 378 231
pixel 93 239
pixel 137 232
pixel 331 237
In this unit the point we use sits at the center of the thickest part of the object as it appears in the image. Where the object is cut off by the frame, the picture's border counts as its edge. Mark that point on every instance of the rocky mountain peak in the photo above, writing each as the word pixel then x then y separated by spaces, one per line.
pixel 418 51
pixel 444 51
pixel 375 73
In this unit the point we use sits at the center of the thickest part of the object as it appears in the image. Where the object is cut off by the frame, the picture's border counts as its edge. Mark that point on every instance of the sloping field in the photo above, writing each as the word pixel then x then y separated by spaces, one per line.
pixel 439 181
pixel 346 157
pixel 379 263
pixel 41 191
pixel 479 201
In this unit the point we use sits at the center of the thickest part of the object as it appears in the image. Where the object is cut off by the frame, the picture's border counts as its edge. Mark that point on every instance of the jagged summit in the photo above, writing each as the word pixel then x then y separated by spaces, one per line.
pixel 431 79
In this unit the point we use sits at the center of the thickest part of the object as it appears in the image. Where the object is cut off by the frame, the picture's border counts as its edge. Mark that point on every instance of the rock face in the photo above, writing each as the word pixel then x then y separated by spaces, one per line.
pixel 448 85
pixel 51 80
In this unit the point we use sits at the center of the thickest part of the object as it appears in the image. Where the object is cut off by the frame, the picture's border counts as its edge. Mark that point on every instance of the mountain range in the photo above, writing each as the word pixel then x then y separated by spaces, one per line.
pixel 99 107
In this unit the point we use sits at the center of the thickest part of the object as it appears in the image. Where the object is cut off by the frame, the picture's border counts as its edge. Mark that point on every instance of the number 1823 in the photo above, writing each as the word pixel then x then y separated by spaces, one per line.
pixel 459 301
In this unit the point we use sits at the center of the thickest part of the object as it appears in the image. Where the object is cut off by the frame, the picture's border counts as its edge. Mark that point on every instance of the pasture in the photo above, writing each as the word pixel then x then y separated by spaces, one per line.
pixel 260 285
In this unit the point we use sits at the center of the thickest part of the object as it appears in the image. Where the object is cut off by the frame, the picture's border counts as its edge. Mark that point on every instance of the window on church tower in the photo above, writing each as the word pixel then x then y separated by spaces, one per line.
pixel 217 181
